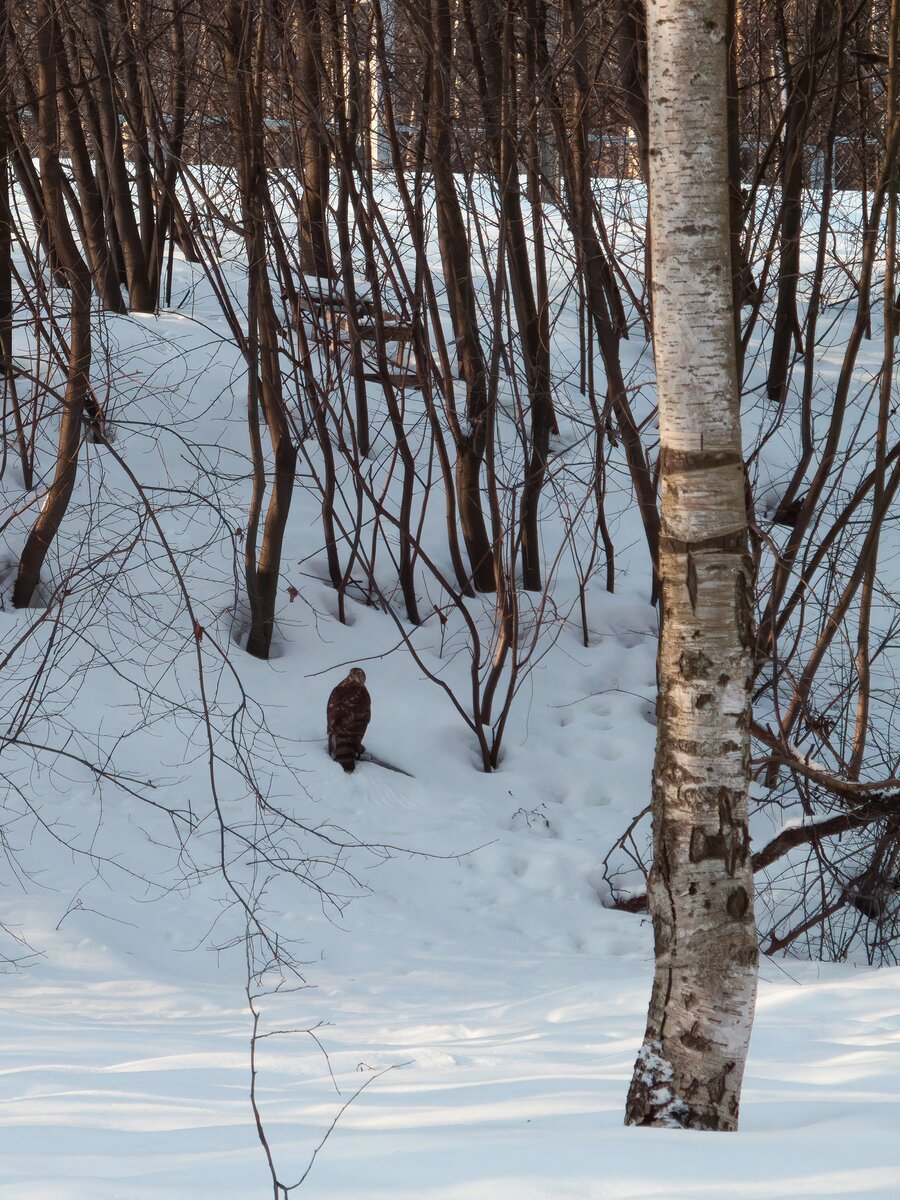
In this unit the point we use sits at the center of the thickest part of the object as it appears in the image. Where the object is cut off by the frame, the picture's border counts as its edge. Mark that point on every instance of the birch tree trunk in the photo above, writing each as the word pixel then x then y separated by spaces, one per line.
pixel 689 1070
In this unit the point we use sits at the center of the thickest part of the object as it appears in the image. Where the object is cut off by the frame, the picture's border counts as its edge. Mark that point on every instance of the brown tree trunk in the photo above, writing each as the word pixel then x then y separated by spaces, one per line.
pixel 456 259
pixel 632 39
pixel 78 390
pixel 96 242
pixel 802 67
pixel 245 50
pixel 7 370
pixel 493 39
pixel 166 224
pixel 314 247
pixel 135 53
pixel 140 292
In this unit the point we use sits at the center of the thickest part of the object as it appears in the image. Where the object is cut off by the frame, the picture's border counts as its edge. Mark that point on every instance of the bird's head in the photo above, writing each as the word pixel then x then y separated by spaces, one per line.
pixel 357 675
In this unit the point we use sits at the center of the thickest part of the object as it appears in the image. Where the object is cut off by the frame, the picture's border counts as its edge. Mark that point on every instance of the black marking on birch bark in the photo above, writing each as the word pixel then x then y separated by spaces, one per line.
pixel 675 773
pixel 705 845
pixel 692 230
pixel 661 904
pixel 710 795
pixel 732 841
pixel 738 904
pixel 694 664
pixel 744 606
pixel 693 1039
pixel 735 835
pixel 689 746
pixel 729 543
pixel 698 843
pixel 662 934
pixel 691 581
pixel 682 461
pixel 737 846
pixel 748 956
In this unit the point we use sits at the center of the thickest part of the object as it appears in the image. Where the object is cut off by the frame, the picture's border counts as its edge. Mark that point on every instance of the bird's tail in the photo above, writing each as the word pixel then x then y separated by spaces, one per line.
pixel 344 751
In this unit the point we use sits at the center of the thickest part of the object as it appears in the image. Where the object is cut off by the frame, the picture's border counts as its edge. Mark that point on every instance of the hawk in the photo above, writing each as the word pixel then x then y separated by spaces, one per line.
pixel 349 710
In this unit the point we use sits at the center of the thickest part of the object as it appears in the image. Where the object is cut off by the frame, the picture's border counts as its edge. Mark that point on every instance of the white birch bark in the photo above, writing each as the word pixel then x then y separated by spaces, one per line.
pixel 689 1070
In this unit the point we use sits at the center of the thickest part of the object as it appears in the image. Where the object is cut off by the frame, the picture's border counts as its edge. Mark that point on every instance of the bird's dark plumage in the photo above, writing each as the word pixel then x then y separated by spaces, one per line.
pixel 349 711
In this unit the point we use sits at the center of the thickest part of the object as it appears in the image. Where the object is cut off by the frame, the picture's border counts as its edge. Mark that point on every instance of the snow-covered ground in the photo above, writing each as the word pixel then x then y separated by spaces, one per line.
pixel 506 1000
pixel 126 1078
pixel 457 961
